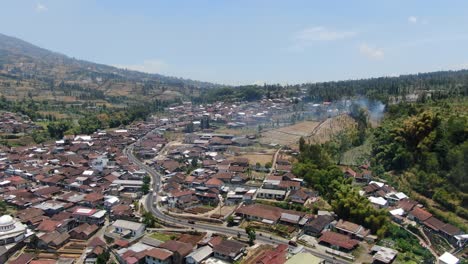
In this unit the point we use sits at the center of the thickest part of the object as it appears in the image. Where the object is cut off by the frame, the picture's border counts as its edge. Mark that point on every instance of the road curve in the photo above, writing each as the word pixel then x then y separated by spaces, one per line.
pixel 233 231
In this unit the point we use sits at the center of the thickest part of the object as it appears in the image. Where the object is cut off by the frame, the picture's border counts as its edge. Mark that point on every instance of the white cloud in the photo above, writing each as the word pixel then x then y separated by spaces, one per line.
pixel 417 20
pixel 308 36
pixel 322 34
pixel 413 19
pixel 41 8
pixel 148 66
pixel 371 52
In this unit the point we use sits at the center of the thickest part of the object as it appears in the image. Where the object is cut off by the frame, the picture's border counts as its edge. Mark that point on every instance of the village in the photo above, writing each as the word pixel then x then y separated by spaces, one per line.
pixel 224 166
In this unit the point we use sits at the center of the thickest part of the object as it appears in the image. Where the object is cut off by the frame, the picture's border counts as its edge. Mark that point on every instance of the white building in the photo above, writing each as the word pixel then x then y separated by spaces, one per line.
pixel 125 228
pixel 199 255
pixel 448 258
pixel 11 230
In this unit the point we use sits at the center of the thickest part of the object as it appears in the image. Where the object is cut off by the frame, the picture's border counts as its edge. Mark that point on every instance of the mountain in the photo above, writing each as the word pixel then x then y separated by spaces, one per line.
pixel 30 71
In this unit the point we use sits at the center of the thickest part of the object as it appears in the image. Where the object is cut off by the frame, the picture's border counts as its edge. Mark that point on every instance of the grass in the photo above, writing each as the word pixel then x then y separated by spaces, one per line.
pixel 357 155
pixel 163 236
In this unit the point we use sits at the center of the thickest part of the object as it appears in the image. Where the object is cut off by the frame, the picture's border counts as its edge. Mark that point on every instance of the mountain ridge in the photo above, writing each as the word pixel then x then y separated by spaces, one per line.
pixel 34 69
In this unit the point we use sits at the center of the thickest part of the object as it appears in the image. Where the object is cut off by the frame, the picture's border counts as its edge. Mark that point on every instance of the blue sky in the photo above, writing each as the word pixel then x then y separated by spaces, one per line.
pixel 241 42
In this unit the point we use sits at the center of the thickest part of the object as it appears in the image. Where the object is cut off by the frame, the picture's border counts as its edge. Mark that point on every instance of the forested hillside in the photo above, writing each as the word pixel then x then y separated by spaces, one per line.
pixel 439 85
pixel 424 149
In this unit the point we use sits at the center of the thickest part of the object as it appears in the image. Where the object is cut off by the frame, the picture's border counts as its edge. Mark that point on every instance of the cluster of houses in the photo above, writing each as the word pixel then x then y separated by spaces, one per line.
pixel 63 192
pixel 14 123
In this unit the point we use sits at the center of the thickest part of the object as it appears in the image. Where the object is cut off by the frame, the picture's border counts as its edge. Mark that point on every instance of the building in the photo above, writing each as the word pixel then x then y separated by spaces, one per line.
pixel 448 258
pixel 271 194
pixel 158 256
pixel 338 241
pixel 318 224
pixel 351 229
pixel 199 255
pixel 304 258
pixel 11 230
pixel 229 250
pixel 383 255
pixel 274 256
pixel 90 216
pixel 128 228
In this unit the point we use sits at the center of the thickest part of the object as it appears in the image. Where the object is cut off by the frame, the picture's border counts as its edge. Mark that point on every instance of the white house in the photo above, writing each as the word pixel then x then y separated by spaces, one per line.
pixel 125 228
pixel 448 258
pixel 199 255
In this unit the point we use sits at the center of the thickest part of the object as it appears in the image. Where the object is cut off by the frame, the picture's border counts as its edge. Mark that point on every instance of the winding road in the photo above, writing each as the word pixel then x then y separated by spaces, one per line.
pixel 152 206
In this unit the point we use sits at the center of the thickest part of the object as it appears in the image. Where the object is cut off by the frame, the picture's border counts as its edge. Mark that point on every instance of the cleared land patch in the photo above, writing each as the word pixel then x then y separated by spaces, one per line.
pixel 289 135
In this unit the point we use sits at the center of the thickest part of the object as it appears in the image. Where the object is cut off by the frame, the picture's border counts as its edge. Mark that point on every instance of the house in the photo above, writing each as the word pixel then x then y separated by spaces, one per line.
pixel 394 197
pixel 121 211
pixel 51 207
pixel 128 228
pixel 53 240
pixel 271 194
pixel 302 257
pixel 419 215
pixel 383 255
pixel 48 225
pixel 89 215
pixel 338 241
pixel 448 258
pixel 259 212
pixel 180 250
pixel 318 224
pixel 83 231
pixel 274 256
pixel 158 256
pixel 182 199
pixel 229 250
pixel 378 202
pixel 451 232
pixel 300 196
pixel 351 229
pixel 199 255
pixel 93 200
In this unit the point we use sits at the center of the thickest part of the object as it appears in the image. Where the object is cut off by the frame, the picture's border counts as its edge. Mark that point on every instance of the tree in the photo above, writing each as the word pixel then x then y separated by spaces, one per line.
pixel 194 162
pixel 251 234
pixel 57 129
pixel 103 258
pixel 230 220
pixel 149 220
pixel 146 184
pixel 268 165
pixel 301 144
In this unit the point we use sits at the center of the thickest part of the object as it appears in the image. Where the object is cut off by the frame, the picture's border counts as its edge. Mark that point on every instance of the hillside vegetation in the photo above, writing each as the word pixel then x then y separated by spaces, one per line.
pixel 424 147
pixel 29 71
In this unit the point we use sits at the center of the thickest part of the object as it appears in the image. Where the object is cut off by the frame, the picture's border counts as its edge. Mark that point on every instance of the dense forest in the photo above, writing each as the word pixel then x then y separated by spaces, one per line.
pixel 436 85
pixel 424 149
pixel 439 85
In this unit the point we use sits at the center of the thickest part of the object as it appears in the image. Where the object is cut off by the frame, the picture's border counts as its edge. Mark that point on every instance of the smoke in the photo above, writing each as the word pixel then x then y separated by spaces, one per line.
pixel 375 108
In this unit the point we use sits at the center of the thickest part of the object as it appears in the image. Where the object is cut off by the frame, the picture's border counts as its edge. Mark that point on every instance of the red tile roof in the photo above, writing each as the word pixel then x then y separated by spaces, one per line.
pixel 275 256
pixel 158 253
pixel 421 214
pixel 336 239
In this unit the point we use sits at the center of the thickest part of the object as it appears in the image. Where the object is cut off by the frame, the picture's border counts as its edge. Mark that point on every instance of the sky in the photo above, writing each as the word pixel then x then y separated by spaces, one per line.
pixel 250 41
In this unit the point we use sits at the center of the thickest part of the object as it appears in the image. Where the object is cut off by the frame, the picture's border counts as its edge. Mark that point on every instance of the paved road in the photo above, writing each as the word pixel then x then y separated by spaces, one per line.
pixel 233 231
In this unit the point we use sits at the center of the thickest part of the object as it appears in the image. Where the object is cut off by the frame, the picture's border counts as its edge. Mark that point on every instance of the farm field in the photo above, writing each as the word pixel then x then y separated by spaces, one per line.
pixel 331 127
pixel 289 136
pixel 260 158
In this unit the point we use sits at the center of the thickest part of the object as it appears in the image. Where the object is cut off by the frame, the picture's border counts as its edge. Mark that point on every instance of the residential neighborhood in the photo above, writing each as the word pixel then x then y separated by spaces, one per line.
pixel 84 196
